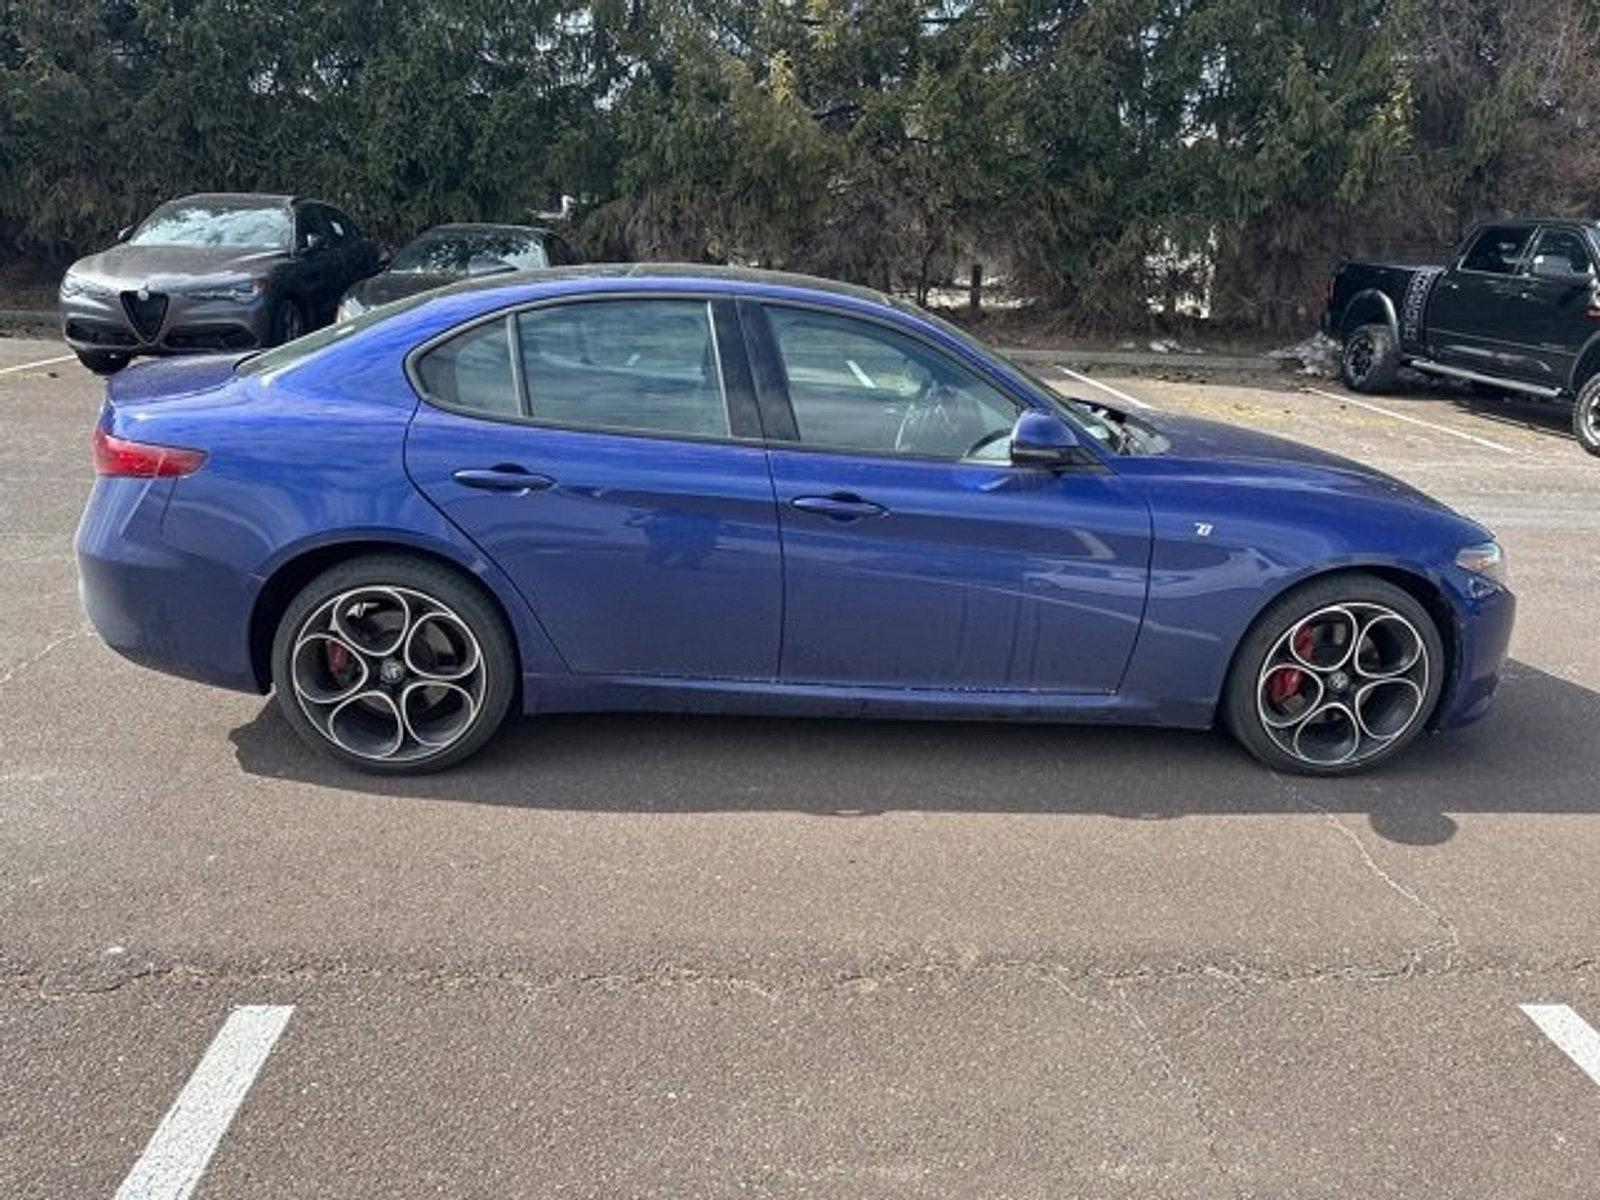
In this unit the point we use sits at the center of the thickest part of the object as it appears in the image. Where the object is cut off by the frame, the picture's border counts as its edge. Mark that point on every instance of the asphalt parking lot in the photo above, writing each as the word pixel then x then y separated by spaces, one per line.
pixel 674 956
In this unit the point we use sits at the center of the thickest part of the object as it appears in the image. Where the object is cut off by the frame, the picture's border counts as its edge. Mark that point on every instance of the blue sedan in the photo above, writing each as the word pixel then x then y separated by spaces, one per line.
pixel 676 488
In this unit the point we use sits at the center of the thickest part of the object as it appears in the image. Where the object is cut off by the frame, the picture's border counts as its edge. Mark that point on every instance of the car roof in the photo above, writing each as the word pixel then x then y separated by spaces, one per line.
pixel 239 198
pixel 654 274
pixel 481 227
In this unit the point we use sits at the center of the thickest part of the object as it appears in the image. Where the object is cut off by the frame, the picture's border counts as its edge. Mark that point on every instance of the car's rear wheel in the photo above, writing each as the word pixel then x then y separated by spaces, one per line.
pixel 288 322
pixel 1586 416
pixel 102 362
pixel 1371 359
pixel 394 665
pixel 1335 677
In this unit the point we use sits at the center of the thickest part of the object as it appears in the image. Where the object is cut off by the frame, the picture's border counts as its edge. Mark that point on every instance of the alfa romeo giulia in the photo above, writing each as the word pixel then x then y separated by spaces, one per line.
pixel 678 488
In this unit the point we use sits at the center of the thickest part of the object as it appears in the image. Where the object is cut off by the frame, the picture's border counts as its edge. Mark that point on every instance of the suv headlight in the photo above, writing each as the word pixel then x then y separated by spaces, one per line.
pixel 237 291
pixel 1486 559
pixel 76 285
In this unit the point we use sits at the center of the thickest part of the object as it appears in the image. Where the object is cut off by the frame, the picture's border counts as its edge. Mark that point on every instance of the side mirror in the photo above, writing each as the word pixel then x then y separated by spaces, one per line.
pixel 1041 439
pixel 487 264
pixel 124 233
pixel 1559 270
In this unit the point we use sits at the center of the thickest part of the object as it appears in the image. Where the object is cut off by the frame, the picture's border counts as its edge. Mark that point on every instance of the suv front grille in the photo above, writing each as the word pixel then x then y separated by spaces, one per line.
pixel 145 315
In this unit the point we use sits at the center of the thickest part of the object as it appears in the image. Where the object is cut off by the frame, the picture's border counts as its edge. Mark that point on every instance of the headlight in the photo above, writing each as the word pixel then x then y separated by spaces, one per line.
pixel 1486 559
pixel 349 307
pixel 238 291
pixel 76 285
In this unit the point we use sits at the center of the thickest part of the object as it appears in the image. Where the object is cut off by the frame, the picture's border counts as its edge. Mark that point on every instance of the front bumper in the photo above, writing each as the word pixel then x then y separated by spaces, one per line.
pixel 163 323
pixel 1483 638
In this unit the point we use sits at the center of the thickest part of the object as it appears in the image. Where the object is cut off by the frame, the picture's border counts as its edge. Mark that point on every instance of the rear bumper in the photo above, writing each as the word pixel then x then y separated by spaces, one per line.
pixel 1483 640
pixel 156 605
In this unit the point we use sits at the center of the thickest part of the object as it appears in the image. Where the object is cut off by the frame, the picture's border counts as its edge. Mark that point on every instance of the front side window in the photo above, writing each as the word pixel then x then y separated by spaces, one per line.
pixel 860 386
pixel 472 371
pixel 1496 251
pixel 645 366
pixel 1563 248
pixel 216 223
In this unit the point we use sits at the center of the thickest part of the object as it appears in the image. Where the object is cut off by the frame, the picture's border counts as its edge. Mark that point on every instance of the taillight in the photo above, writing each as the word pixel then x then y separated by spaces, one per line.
pixel 140 460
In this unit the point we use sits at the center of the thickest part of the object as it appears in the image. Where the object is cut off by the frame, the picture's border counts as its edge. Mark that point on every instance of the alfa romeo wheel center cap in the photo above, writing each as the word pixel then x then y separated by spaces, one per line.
pixel 391 671
pixel 1339 682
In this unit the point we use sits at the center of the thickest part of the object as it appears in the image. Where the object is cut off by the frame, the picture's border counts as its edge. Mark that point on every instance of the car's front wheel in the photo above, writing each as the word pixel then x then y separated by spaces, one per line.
pixel 394 665
pixel 1586 416
pixel 1336 676
pixel 102 362
pixel 288 322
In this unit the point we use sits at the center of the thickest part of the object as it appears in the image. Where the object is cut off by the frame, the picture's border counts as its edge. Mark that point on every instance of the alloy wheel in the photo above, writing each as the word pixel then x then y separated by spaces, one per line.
pixel 388 674
pixel 1343 683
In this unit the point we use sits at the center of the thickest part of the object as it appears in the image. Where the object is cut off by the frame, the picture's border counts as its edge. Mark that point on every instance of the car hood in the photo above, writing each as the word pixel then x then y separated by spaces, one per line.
pixel 397 285
pixel 1242 452
pixel 161 268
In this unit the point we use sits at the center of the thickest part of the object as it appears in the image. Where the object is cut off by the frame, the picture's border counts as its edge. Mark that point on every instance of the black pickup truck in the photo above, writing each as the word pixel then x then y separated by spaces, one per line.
pixel 1517 308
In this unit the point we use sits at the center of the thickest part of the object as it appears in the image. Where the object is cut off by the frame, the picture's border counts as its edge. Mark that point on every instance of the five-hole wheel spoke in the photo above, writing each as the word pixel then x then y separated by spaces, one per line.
pixel 1342 683
pixel 388 673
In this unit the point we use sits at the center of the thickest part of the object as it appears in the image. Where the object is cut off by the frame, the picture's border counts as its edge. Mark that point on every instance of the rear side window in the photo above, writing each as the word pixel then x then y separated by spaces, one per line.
pixel 1496 250
pixel 645 366
pixel 472 371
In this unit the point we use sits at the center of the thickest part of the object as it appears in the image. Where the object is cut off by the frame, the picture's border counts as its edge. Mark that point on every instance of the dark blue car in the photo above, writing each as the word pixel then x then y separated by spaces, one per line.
pixel 678 488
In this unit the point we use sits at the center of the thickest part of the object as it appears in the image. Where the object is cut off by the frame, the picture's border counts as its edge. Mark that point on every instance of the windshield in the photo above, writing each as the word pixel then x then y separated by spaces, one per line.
pixel 216 223
pixel 451 252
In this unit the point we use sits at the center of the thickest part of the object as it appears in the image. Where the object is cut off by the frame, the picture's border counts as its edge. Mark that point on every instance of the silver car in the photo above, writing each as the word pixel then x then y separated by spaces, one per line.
pixel 214 272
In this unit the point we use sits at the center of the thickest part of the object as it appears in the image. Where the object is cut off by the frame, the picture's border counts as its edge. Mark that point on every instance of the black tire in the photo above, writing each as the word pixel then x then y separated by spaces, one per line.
pixel 329 660
pixel 1381 713
pixel 1370 360
pixel 102 362
pixel 1586 415
pixel 288 321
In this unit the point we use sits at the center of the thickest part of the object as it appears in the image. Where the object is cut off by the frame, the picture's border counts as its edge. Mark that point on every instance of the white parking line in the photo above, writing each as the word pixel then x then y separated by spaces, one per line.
pixel 1104 387
pixel 1410 420
pixel 1575 1036
pixel 43 362
pixel 188 1135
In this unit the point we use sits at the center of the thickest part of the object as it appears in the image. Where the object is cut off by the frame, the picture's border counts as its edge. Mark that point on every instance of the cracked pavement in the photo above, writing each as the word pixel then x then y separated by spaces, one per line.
pixel 675 956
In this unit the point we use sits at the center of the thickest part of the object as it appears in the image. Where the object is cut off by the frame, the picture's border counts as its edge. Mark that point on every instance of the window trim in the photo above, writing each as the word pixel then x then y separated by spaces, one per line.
pixel 524 416
pixel 776 391
pixel 1519 268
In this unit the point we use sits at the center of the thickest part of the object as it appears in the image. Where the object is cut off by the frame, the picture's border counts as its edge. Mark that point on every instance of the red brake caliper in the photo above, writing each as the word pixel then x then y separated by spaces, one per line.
pixel 338 659
pixel 1285 684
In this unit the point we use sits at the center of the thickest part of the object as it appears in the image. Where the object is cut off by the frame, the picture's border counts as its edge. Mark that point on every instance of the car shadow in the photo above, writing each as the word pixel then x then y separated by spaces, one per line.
pixel 1534 753
pixel 1549 417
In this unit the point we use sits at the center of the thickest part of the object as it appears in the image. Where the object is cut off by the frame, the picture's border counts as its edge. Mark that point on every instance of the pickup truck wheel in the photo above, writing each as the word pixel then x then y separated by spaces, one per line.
pixel 1586 416
pixel 1370 360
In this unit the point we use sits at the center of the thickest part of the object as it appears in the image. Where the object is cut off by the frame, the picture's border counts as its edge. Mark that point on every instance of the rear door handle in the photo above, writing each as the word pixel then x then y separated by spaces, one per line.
pixel 504 479
pixel 839 506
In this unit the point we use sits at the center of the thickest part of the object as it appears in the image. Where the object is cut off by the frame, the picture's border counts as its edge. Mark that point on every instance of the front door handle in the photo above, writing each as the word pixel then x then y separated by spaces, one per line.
pixel 839 506
pixel 504 478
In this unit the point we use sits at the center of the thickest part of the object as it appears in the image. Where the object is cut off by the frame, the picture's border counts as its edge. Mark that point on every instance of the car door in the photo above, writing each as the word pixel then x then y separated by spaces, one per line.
pixel 1558 294
pixel 358 258
pixel 915 554
pixel 606 454
pixel 1477 317
pixel 318 272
